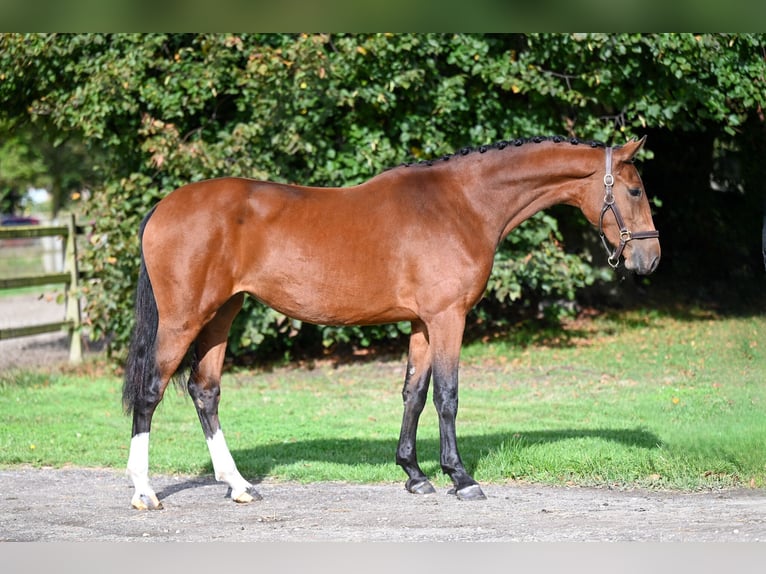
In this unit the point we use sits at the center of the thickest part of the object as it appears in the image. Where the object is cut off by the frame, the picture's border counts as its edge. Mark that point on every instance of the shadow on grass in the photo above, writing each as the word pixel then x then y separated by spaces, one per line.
pixel 260 461
pixel 257 463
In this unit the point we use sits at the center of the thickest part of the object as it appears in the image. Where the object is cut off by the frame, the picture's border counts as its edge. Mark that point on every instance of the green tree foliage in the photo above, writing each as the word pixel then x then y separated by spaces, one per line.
pixel 20 167
pixel 30 158
pixel 161 110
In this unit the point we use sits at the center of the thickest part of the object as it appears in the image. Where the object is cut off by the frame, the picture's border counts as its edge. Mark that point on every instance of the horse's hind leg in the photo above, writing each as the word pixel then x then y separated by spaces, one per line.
pixel 144 497
pixel 205 389
pixel 170 353
pixel 414 394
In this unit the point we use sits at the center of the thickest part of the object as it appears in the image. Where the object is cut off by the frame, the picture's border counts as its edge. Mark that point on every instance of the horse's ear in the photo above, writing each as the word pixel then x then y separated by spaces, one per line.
pixel 630 149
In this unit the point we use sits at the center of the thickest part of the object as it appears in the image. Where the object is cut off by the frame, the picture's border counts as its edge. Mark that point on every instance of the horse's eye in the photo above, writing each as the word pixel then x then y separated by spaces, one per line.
pixel 635 191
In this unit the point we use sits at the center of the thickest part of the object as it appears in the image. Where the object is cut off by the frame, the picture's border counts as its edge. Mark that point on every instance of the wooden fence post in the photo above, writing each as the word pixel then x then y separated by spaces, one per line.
pixel 73 312
pixel 70 278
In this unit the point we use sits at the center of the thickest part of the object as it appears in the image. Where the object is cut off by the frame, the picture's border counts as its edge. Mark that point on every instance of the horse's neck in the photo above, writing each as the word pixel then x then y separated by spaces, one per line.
pixel 510 186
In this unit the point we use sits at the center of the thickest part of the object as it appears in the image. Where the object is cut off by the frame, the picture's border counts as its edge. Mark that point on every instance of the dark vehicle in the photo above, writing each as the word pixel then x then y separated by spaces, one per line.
pixel 19 220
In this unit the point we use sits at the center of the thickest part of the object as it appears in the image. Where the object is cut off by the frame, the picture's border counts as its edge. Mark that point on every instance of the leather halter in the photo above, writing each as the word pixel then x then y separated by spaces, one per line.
pixel 609 204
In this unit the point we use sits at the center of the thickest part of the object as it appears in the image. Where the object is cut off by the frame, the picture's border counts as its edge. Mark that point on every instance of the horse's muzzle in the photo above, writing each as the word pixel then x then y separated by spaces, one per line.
pixel 645 259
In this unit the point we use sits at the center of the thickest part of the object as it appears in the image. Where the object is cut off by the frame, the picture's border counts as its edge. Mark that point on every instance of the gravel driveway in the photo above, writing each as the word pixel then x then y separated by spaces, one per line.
pixel 94 505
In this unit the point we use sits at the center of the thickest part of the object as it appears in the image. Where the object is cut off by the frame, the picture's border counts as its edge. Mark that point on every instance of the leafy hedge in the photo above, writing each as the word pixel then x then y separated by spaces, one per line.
pixel 319 109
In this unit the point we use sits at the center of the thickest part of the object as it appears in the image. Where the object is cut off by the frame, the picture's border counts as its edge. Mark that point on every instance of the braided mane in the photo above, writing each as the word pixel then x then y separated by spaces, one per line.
pixel 504 144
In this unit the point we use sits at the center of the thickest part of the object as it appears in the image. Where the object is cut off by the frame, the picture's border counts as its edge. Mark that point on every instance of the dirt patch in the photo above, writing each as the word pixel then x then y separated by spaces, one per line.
pixel 62 505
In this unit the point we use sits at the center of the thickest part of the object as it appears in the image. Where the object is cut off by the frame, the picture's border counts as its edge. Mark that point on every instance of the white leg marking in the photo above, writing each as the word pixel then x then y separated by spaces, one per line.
pixel 226 469
pixel 138 471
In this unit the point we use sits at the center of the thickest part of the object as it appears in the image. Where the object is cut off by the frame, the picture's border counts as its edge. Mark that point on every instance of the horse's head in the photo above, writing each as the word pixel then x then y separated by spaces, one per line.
pixel 623 213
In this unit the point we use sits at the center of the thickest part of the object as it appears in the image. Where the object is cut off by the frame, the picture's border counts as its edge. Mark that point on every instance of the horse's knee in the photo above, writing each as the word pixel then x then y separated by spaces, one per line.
pixel 415 389
pixel 414 398
pixel 445 402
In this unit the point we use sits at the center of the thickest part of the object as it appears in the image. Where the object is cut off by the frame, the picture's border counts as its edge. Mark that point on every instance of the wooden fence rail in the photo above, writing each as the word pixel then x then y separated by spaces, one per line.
pixel 70 278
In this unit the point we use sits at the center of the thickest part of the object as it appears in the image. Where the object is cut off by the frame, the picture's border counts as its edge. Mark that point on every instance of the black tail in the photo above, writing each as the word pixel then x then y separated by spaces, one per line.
pixel 141 365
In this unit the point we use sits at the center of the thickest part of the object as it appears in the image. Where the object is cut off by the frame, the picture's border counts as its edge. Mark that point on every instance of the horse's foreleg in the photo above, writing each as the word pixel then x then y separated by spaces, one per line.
pixel 414 394
pixel 446 338
pixel 205 389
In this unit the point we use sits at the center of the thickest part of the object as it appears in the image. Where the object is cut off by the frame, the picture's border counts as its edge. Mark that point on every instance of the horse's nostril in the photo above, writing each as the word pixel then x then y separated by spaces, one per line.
pixel 655 263
pixel 642 267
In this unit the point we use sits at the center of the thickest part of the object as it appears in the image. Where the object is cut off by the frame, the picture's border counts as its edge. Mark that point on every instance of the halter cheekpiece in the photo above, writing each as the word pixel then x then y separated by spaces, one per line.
pixel 610 205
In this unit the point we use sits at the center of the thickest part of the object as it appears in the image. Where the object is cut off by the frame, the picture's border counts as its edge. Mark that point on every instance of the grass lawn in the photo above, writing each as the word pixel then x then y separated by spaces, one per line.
pixel 653 399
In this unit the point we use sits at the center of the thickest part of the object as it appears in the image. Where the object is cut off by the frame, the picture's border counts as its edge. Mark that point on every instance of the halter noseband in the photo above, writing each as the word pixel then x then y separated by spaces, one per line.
pixel 609 204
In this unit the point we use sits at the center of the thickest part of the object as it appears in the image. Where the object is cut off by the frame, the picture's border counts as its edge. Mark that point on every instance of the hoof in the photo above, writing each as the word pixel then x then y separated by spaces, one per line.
pixel 246 496
pixel 470 492
pixel 146 502
pixel 419 487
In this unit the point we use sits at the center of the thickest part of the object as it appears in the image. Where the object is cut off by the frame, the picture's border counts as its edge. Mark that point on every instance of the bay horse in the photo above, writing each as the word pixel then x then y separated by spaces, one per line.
pixel 415 243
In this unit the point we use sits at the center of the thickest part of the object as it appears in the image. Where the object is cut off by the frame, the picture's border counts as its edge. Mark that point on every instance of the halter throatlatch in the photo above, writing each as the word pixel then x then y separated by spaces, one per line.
pixel 609 204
